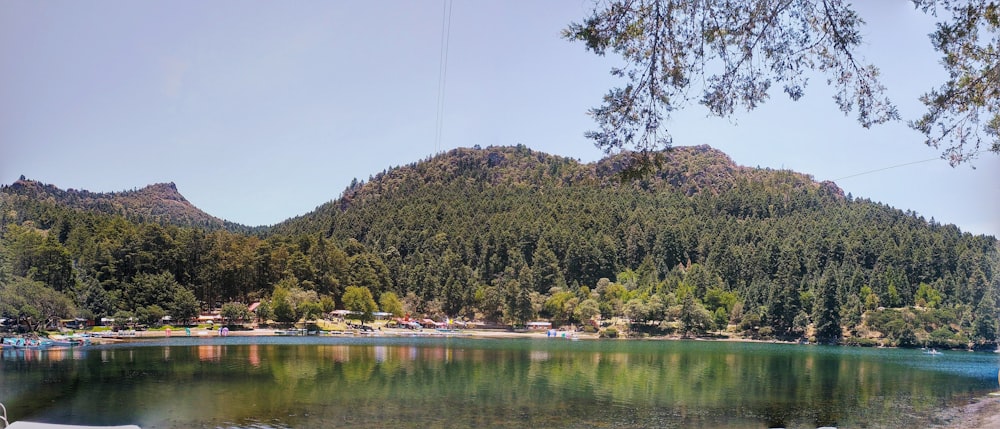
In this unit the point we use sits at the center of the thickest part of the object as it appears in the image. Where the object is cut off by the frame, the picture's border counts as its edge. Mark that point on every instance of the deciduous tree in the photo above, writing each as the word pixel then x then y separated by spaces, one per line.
pixel 359 300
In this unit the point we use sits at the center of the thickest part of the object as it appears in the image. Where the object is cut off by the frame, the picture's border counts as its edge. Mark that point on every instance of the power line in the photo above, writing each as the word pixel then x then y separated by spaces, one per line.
pixel 973 154
pixel 888 168
pixel 442 73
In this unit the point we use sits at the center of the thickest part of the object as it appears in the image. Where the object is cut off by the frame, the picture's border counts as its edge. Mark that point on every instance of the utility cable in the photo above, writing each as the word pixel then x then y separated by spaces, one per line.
pixel 899 165
pixel 887 168
pixel 442 73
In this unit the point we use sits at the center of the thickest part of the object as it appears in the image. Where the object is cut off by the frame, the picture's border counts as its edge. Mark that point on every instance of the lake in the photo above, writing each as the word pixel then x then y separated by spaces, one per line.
pixel 324 382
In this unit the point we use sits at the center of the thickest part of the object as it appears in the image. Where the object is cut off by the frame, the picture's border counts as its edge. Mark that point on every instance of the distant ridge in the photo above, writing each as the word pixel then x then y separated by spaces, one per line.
pixel 160 203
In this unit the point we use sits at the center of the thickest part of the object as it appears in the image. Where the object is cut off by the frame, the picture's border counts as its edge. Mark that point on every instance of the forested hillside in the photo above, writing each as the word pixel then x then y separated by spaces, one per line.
pixel 510 234
pixel 160 203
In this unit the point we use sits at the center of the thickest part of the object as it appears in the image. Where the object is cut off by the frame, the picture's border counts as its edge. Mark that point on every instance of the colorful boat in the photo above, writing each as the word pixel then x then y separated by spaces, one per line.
pixel 27 343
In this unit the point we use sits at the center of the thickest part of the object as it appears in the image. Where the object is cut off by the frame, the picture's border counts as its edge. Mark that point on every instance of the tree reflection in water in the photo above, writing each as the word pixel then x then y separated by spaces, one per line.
pixel 402 382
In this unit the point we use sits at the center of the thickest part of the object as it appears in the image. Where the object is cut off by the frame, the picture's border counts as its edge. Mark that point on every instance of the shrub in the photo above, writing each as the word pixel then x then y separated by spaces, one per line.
pixel 860 342
pixel 765 332
pixel 941 337
pixel 608 333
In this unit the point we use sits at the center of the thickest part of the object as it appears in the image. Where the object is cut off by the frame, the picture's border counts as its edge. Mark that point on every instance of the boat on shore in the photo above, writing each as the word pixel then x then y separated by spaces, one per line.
pixel 69 340
pixel 37 343
pixel 21 343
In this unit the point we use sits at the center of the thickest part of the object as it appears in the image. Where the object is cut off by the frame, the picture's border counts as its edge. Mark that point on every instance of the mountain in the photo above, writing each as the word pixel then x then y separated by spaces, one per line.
pixel 160 203
pixel 473 228
pixel 686 171
pixel 510 234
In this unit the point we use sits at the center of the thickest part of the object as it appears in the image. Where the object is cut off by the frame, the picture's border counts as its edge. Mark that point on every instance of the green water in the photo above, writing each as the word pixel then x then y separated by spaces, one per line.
pixel 283 382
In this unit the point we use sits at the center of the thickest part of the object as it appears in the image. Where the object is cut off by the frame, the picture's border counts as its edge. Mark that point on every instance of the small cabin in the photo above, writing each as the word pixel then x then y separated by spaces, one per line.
pixel 539 326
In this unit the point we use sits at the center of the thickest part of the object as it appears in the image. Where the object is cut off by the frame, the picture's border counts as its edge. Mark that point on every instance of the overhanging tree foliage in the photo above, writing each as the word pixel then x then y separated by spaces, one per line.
pixel 729 55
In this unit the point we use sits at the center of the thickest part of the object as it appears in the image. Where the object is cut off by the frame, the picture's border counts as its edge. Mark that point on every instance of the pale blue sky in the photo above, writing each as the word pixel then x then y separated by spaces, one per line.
pixel 260 111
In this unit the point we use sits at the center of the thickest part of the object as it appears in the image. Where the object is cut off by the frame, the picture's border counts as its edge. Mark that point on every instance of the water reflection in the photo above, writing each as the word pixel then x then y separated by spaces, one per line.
pixel 482 383
pixel 208 353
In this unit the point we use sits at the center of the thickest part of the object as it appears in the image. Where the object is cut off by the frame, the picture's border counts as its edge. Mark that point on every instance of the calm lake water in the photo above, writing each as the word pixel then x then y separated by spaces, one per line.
pixel 309 382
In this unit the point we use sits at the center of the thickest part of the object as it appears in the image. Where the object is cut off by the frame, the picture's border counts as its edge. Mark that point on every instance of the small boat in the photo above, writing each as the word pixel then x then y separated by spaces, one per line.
pixel 69 341
pixel 932 352
pixel 27 343
pixel 33 425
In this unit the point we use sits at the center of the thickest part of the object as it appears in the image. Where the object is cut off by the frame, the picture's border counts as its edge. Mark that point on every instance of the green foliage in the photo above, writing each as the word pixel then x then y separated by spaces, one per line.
pixel 860 342
pixel 93 301
pixel 728 54
pixel 148 289
pixel 151 315
pixel 264 311
pixel 984 329
pixel 518 308
pixel 359 300
pixel 751 326
pixel 310 310
pixel 31 253
pixel 328 305
pixel 962 111
pixel 927 296
pixel 390 303
pixel 851 313
pixel 33 304
pixel 897 326
pixel 124 319
pixel 235 313
pixel 765 333
pixel 894 299
pixel 826 313
pixel 694 318
pixel 720 318
pixel 667 44
pixel 184 306
pixel 871 299
pixel 586 310
pixel 281 306
pixel 942 337
pixel 719 299
pixel 560 307
pixel 508 234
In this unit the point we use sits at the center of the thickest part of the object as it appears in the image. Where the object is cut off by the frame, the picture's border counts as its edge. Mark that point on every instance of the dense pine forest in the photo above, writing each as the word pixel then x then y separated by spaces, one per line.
pixel 507 234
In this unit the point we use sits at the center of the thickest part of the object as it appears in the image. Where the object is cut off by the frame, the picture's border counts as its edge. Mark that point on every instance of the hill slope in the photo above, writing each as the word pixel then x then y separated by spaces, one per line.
pixel 159 202
pixel 460 227
pixel 507 233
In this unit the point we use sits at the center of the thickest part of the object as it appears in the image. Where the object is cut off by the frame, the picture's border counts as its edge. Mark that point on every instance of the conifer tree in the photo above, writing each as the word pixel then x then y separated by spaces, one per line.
pixel 826 312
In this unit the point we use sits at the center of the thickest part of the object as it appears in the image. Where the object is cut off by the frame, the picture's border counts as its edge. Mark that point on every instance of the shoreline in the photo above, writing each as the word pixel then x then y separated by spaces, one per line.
pixel 385 332
pixel 981 413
